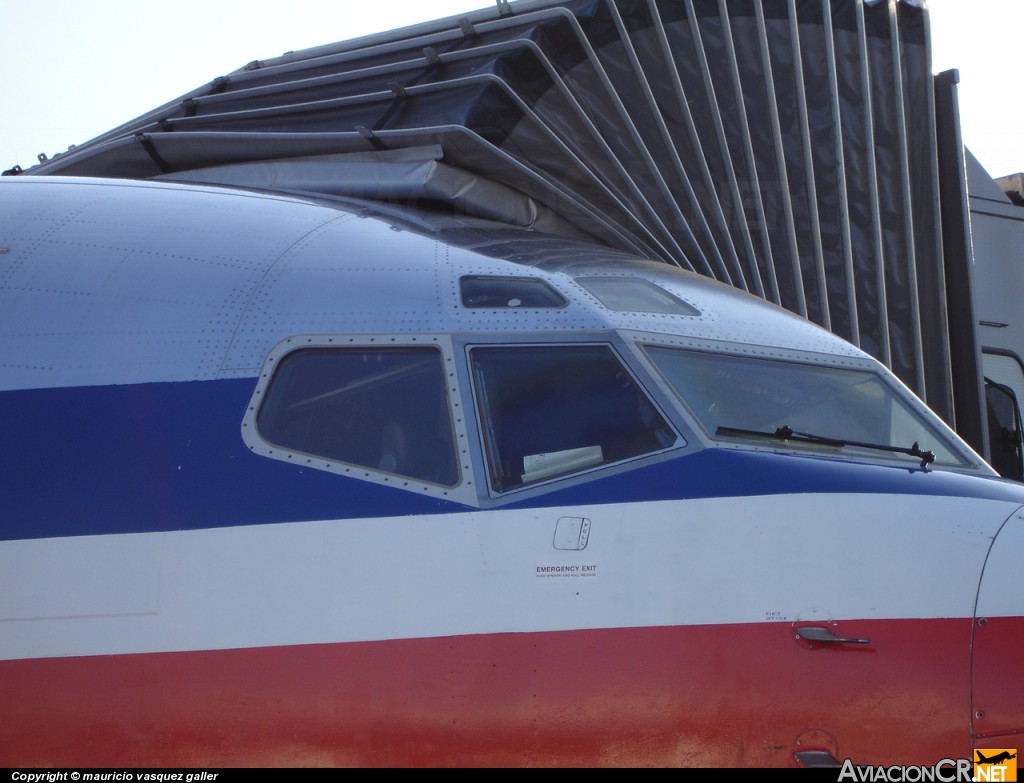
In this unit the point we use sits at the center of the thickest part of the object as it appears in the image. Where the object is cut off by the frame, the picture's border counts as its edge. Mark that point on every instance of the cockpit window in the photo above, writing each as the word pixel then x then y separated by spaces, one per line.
pixel 385 409
pixel 635 295
pixel 553 410
pixel 806 407
pixel 508 292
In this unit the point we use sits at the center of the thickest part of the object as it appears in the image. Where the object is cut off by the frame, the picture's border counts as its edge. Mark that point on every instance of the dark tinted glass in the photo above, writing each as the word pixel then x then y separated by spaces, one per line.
pixel 1004 430
pixel 508 292
pixel 553 410
pixel 383 409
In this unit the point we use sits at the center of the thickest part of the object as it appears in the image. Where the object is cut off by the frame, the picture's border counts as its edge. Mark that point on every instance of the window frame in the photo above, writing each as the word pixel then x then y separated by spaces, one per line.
pixel 996 376
pixel 972 462
pixel 598 339
pixel 683 309
pixel 464 491
pixel 522 280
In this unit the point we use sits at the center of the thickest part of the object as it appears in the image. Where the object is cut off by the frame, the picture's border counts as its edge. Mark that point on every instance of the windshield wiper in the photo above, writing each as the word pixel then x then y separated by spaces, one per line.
pixel 788 433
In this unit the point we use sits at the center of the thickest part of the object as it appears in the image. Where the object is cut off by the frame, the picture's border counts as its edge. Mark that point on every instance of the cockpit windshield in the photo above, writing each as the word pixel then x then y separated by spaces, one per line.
pixel 806 407
pixel 554 410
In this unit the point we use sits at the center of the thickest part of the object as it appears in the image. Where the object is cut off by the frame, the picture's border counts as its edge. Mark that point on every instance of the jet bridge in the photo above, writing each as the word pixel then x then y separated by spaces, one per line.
pixel 789 148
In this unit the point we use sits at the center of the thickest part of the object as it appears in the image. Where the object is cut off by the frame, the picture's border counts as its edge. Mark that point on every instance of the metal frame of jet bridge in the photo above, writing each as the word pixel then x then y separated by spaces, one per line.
pixel 800 150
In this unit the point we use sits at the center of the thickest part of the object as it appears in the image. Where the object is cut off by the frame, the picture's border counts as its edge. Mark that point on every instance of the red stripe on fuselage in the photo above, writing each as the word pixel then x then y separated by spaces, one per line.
pixel 695 696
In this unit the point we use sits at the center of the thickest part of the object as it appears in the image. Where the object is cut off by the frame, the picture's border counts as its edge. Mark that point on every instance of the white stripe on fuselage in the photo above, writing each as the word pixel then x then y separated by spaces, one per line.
pixel 775 558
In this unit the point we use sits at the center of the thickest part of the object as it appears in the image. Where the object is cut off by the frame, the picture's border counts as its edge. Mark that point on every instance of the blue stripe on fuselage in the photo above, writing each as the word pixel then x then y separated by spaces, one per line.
pixel 169 456
pixel 722 472
pixel 161 456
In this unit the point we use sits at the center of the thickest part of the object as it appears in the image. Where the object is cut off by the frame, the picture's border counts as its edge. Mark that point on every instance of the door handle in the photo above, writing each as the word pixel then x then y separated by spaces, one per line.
pixel 816 758
pixel 814 633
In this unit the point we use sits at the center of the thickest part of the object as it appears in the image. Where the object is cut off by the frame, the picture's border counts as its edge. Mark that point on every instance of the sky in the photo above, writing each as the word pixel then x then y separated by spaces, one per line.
pixel 72 69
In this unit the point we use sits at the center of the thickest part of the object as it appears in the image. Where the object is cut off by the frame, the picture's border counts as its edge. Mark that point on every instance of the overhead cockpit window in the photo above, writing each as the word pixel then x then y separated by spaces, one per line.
pixel 553 410
pixel 803 407
pixel 635 295
pixel 508 293
pixel 385 409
